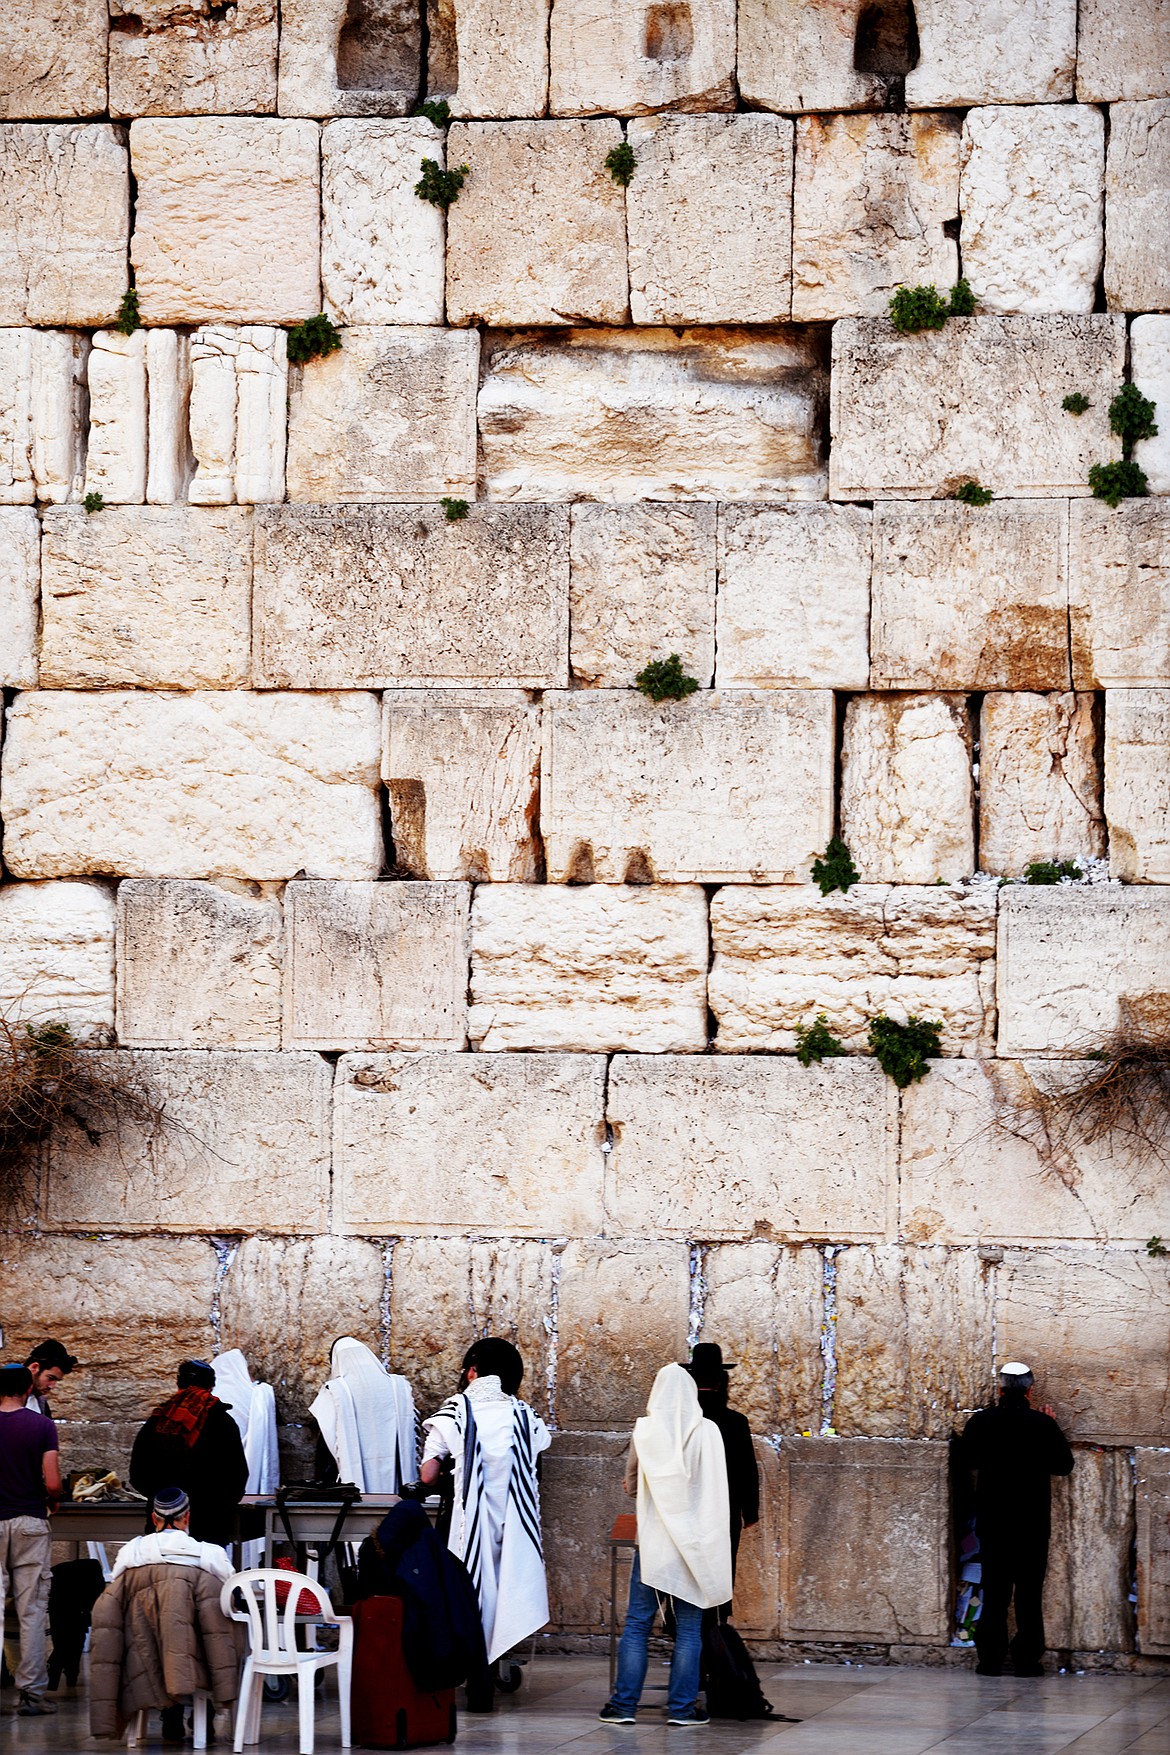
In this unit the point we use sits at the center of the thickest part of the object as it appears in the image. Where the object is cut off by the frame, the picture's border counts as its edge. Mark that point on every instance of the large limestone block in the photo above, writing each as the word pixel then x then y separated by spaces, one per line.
pixel 913 417
pixel 462 768
pixel 228 784
pixel 430 1142
pixel 1011 52
pixel 228 219
pixel 781 955
pixel 381 247
pixel 872 201
pixel 1153 1549
pixel 802 55
pixel 621 1315
pixel 979 1165
pixel 757 1581
pixel 913 1340
pixel 130 1309
pixel 338 58
pixel 376 965
pixel 115 457
pixel 751 1147
pixel 970 597
pixel 199 965
pixel 192 59
pixel 1137 207
pixel 399 595
pixel 236 382
pixel 591 967
pixel 1137 784
pixel 763 1302
pixel 654 414
pixel 1119 592
pixel 57 955
pixel 1090 1557
pixel 1149 358
pixel 42 400
pixel 721 785
pixel 793 600
pixel 1039 780
pixel 20 577
pixel 539 233
pixel 709 214
pixel 1094 1324
pixel 641 584
pixel 65 222
pixel 632 57
pixel 53 59
pixel 168 393
pixel 243 1141
pixel 581 1494
pixel 1122 52
pixel 147 596
pixel 907 798
pixel 389 416
pixel 489 57
pixel 1031 242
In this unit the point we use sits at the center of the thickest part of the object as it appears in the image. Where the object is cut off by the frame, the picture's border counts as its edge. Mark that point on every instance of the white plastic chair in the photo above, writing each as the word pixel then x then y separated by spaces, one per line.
pixel 137 1731
pixel 272 1648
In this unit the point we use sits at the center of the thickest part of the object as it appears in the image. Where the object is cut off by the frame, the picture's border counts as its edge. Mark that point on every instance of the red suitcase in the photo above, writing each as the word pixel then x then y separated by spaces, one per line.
pixel 388 1710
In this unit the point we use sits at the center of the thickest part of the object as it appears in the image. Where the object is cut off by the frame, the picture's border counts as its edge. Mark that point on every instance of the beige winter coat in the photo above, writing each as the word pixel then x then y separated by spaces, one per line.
pixel 159 1633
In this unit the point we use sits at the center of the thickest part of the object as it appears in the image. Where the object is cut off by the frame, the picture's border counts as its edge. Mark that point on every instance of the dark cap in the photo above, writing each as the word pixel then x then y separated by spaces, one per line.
pixel 15 1378
pixel 52 1356
pixel 196 1374
pixel 707 1362
pixel 170 1503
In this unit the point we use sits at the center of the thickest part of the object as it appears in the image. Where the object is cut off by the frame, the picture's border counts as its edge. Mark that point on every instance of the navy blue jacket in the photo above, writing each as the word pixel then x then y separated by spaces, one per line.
pixel 442 1632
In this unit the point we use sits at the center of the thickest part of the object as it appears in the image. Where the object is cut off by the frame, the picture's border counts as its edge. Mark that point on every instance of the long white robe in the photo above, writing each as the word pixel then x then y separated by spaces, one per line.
pixel 684 1519
pixel 366 1417
pixel 253 1408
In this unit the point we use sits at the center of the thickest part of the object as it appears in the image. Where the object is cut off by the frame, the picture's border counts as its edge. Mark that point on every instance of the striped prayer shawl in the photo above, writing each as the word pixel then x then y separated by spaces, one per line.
pixel 522 1487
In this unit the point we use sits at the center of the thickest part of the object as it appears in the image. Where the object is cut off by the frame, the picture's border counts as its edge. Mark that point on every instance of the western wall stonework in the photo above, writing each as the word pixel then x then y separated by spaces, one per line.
pixel 467 978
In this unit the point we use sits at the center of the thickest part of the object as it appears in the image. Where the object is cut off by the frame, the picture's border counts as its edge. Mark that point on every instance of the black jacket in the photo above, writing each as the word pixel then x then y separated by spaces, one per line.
pixel 442 1630
pixel 1014 1451
pixel 743 1474
pixel 213 1471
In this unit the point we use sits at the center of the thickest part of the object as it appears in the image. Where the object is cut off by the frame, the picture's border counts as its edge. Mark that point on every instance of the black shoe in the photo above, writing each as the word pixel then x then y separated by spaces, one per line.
pixel 34 1706
pixel 174 1732
pixel 615 1715
pixel 690 1715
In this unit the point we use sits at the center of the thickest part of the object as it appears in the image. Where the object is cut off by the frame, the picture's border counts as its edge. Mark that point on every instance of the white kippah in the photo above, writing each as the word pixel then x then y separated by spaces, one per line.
pixel 1014 1368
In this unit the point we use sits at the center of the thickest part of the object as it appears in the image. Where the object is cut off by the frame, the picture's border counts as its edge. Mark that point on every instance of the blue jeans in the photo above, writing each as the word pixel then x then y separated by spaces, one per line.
pixel 634 1650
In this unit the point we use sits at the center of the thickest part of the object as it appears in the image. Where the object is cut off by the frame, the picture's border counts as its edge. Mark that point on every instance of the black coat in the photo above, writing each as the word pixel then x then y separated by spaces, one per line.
pixel 743 1473
pixel 213 1471
pixel 442 1630
pixel 1014 1450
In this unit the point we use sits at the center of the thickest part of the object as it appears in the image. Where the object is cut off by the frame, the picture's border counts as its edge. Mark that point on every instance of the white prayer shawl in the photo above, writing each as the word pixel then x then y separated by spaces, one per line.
pixel 366 1417
pixel 495 1530
pixel 253 1408
pixel 684 1520
pixel 172 1548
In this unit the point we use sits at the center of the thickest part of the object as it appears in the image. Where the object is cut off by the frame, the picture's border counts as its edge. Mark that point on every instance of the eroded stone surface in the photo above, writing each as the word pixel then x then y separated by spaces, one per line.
pixel 1022 53
pixel 168 394
pixel 580 1496
pixel 914 417
pixel 1090 1558
pixel 228 784
pixel 423 1140
pixel 538 234
pixel 872 197
pixel 489 57
pixel 42 379
pixel 381 247
pixel 1039 781
pixel 400 595
pixel 57 955
pixel 1122 52
pixel 20 577
pixel 762 1302
pixel 782 955
pixel 622 1315
pixel 1137 784
pixel 192 59
pixel 151 596
pixel 652 414
pixel 589 967
pixel 641 585
pixel 1149 358
pixel 198 965
pixel 721 785
pixel 1153 1549
pixel 337 59
pixel 709 215
pixel 801 55
pixel 720 1148
pixel 65 224
pixel 1119 592
pixel 53 59
pixel 1137 207
pixel 631 57
pixel 227 222
pixel 907 799
pixel 115 457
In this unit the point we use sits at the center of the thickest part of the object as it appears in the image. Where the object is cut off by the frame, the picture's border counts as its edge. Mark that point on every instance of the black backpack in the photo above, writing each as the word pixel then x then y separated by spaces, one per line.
pixel 729 1676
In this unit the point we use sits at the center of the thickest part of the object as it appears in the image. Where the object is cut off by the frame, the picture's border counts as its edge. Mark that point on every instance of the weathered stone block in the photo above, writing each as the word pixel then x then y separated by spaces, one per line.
pixel 539 233
pixel 228 220
pixel 913 417
pixel 750 1147
pixel 243 1137
pixel 337 59
pixel 1119 592
pixel 1039 781
pixel 462 768
pixel 580 1496
pixel 261 412
pixel 622 1315
pixel 794 597
pixel 65 222
pixel 757 1581
pixel 782 955
pixel 42 379
pixel 192 60
pixel 1137 784
pixel 198 965
pixel 1076 965
pixel 212 353
pixel 422 1141
pixel 168 396
pixel 381 247
pixel 149 596
pixel 238 408
pixel 376 965
pixel 391 415
pixel 1137 207
pixel 399 595
pixel 115 458
pixel 641 583
pixel 722 785
pixel 907 800
pixel 1094 1324
pixel 1032 242
pixel 1024 56
pixel 592 967
pixel 236 785
pixel 763 1301
pixel 871 202
pixel 1153 1550
pixel 1149 357
pixel 654 414
pixel 53 59
pixel 57 955
pixel 20 579
pixel 629 59
pixel 970 597
pixel 1090 1557
pixel 1122 53
pixel 709 215
pixel 802 55
pixel 489 57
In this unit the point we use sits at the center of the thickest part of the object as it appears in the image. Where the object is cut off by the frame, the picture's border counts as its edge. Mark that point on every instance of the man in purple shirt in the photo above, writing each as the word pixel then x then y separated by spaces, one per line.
pixel 30 1488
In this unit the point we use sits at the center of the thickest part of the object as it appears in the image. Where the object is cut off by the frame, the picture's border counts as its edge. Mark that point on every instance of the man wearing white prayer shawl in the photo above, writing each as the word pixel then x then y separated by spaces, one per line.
pixel 253 1408
pixel 678 1466
pixel 494 1439
pixel 366 1418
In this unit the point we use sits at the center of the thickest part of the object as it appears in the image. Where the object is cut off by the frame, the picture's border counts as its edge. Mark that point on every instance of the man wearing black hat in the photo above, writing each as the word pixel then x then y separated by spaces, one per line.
pixel 191 1441
pixel 48 1363
pixel 30 1487
pixel 710 1372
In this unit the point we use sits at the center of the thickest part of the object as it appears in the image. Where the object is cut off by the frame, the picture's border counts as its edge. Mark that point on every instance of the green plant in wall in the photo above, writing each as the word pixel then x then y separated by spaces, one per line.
pixel 454 510
pixel 972 494
pixel 439 187
pixel 962 301
pixel 436 110
pixel 664 679
pixel 903 1050
pixel 913 308
pixel 128 319
pixel 834 868
pixel 1076 403
pixel 1050 871
pixel 312 340
pixel 1131 417
pixel 816 1042
pixel 621 162
pixel 1155 1246
pixel 94 502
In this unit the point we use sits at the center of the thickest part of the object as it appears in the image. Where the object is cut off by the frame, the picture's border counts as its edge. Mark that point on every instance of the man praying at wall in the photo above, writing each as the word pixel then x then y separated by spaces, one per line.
pixel 191 1441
